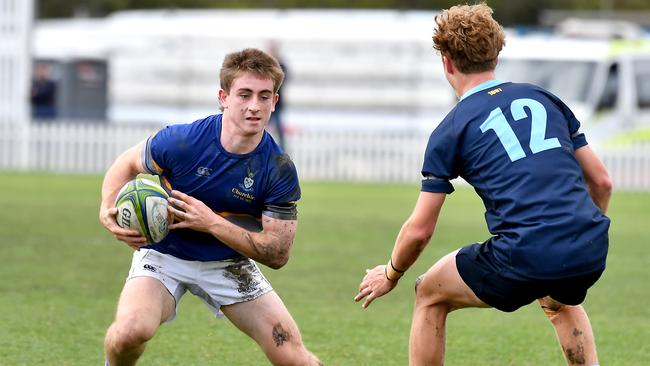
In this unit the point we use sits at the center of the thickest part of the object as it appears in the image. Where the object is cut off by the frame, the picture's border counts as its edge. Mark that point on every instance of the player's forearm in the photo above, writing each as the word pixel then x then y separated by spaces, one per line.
pixel 122 170
pixel 601 194
pixel 416 232
pixel 410 243
pixel 264 247
pixel 596 176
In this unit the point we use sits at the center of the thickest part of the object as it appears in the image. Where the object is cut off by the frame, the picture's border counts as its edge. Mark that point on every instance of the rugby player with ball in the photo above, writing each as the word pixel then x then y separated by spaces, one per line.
pixel 233 197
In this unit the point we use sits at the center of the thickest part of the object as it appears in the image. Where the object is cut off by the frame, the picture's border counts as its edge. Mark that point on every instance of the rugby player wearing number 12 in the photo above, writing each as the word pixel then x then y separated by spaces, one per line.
pixel 544 190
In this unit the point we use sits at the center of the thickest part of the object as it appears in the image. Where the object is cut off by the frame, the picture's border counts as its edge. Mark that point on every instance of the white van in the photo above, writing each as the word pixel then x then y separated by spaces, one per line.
pixel 605 82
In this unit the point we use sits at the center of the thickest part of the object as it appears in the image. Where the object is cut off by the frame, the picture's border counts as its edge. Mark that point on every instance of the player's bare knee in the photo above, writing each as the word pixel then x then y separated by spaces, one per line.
pixel 427 292
pixel 123 336
pixel 290 355
pixel 286 347
pixel 288 350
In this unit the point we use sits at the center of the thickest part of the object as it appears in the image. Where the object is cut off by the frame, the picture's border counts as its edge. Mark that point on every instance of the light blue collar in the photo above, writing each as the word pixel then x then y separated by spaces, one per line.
pixel 482 86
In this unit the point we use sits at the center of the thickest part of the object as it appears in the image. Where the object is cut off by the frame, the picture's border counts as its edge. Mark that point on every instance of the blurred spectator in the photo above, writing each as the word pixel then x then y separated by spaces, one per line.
pixel 43 95
pixel 276 121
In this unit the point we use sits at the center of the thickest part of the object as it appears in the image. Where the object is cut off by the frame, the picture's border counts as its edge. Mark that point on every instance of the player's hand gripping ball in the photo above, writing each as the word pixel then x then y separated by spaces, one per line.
pixel 142 205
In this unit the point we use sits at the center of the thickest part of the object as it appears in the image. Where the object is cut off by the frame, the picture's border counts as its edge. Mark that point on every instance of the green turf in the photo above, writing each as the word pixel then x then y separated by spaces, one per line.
pixel 61 273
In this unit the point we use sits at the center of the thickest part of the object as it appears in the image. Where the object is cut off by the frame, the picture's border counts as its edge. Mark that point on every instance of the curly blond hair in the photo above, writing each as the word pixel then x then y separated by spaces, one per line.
pixel 470 37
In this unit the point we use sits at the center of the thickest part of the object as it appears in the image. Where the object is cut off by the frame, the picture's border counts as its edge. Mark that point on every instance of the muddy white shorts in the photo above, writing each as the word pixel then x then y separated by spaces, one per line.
pixel 217 283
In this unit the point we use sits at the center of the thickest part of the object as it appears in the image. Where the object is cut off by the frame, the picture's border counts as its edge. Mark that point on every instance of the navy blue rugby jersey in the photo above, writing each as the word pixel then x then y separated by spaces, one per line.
pixel 190 158
pixel 515 144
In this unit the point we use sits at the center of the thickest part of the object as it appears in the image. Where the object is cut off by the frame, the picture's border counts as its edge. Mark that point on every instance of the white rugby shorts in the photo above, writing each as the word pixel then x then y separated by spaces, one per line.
pixel 217 283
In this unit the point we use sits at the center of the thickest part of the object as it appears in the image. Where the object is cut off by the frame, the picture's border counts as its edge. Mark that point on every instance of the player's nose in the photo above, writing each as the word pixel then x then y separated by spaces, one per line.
pixel 254 107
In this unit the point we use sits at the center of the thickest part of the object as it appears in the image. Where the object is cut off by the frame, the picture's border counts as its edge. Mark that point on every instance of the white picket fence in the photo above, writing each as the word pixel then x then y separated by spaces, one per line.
pixel 629 168
pixel 319 154
pixel 66 147
pixel 371 155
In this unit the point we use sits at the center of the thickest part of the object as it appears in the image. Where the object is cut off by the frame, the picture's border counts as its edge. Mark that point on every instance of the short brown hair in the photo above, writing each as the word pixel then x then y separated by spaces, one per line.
pixel 470 37
pixel 254 61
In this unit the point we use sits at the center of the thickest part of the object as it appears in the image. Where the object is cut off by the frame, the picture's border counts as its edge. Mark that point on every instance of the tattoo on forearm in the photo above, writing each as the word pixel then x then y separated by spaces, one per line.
pixel 273 252
pixel 251 241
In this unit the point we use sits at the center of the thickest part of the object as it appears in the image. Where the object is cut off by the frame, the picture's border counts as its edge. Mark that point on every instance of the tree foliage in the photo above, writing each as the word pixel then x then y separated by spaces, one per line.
pixel 506 11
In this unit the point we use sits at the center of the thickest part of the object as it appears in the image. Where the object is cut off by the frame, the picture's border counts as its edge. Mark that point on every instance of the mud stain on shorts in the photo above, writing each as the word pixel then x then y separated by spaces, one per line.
pixel 241 273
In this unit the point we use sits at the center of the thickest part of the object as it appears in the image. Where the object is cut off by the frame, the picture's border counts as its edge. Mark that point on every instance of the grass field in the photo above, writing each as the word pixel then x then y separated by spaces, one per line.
pixel 61 273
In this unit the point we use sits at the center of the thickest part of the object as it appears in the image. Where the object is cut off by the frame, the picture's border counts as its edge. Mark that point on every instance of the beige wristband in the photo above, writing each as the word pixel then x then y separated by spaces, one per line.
pixel 392 274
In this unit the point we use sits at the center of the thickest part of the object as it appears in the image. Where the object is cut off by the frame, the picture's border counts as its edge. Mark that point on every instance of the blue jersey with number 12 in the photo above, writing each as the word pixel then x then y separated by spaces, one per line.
pixel 515 144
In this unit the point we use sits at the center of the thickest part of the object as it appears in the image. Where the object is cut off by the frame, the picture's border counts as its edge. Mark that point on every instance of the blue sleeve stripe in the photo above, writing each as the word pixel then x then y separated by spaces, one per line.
pixel 436 185
pixel 579 140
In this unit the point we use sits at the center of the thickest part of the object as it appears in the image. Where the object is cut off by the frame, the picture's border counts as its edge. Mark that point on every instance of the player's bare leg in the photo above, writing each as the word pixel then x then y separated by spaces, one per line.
pixel 573 330
pixel 144 304
pixel 439 291
pixel 269 323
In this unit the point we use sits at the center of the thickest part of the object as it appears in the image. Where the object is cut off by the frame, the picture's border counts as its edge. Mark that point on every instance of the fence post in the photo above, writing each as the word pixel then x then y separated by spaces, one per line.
pixel 15 70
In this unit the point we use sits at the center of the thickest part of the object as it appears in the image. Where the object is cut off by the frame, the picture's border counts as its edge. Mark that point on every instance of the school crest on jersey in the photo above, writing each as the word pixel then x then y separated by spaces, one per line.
pixel 248 181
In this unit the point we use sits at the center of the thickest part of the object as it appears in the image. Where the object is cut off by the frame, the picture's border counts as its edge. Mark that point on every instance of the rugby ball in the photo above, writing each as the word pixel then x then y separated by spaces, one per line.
pixel 142 205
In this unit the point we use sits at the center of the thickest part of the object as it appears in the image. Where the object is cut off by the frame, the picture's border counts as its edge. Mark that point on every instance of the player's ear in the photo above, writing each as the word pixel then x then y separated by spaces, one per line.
pixel 276 97
pixel 222 98
pixel 448 64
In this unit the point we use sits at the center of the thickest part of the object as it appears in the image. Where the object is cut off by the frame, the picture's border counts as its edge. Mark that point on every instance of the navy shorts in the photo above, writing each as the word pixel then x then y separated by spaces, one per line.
pixel 499 288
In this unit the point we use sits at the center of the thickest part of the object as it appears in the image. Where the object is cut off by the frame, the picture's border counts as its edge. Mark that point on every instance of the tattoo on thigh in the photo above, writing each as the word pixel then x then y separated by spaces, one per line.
pixel 280 335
